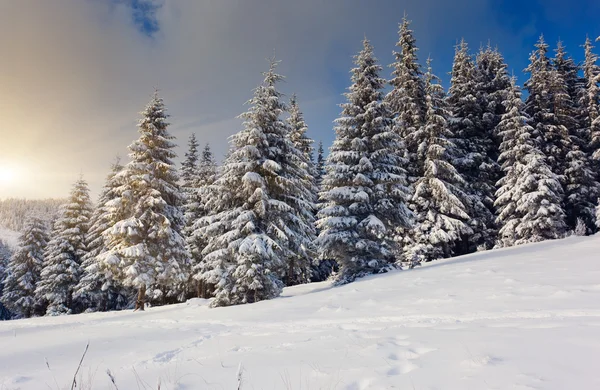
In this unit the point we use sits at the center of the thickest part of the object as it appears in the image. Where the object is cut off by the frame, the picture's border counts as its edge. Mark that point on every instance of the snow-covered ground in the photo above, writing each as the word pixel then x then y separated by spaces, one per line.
pixel 522 318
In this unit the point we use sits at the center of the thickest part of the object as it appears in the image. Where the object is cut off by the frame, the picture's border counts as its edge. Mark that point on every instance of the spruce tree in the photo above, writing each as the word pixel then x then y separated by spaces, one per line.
pixel 23 270
pixel 144 248
pixel 365 188
pixel 580 186
pixel 407 98
pixel 256 203
pixel 65 252
pixel 189 165
pixel 97 288
pixel 529 194
pixel 197 208
pixel 440 204
pixel 474 154
pixel 320 167
pixel 547 97
pixel 299 265
pixel 591 98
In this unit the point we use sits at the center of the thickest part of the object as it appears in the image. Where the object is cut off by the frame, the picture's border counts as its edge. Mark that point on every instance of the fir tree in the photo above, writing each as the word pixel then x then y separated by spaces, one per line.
pixel 5 254
pixel 474 155
pixel 364 189
pixel 189 166
pixel 580 186
pixel 320 167
pixel 591 98
pixel 299 265
pixel 547 97
pixel 64 253
pixel 197 208
pixel 145 248
pixel 23 270
pixel 529 194
pixel 407 97
pixel 97 288
pixel 255 227
pixel 440 209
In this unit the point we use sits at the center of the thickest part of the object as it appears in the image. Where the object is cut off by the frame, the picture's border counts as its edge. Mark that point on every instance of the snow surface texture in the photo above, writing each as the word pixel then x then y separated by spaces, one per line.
pixel 519 318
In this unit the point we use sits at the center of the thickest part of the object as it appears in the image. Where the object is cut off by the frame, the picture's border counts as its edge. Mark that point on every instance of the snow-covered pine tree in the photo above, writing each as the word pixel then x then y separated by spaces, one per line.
pixel 365 188
pixel 97 289
pixel 474 151
pixel 198 208
pixel 23 270
pixel 580 186
pixel 5 254
pixel 320 166
pixel 529 194
pixel 255 224
pixel 65 252
pixel 440 210
pixel 547 91
pixel 591 102
pixel 189 166
pixel 299 265
pixel 407 98
pixel 144 248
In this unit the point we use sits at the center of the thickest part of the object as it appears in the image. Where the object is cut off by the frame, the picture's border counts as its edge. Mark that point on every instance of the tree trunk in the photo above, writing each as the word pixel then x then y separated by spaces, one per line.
pixel 141 299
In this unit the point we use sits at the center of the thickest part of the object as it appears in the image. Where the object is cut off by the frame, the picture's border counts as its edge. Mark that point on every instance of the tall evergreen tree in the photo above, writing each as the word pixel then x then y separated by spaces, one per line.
pixel 440 210
pixel 320 167
pixel 65 252
pixel 299 265
pixel 256 202
pixel 474 154
pixel 365 187
pixel 189 166
pixel 97 289
pixel 547 97
pixel 529 194
pixel 145 248
pixel 580 186
pixel 198 208
pixel 407 98
pixel 591 99
pixel 23 270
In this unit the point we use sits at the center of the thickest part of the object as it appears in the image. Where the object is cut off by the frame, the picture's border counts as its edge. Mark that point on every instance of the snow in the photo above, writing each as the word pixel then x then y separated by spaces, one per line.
pixel 517 318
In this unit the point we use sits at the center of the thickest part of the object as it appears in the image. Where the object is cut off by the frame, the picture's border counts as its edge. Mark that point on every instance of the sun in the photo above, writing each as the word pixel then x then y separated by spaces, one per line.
pixel 8 174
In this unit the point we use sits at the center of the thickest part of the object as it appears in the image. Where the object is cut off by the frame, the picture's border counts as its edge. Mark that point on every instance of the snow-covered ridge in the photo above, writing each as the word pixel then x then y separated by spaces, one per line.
pixel 518 318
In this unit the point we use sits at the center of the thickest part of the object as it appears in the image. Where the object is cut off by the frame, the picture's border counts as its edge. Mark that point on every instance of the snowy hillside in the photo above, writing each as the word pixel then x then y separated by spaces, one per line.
pixel 522 318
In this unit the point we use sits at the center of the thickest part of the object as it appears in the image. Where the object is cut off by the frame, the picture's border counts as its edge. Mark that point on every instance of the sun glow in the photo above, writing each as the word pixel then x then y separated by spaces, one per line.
pixel 8 174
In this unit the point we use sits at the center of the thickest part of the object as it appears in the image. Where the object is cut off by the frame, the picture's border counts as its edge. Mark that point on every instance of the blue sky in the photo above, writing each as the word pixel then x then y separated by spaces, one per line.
pixel 79 71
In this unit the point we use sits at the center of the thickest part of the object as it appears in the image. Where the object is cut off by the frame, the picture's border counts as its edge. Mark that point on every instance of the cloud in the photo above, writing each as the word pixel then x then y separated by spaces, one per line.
pixel 75 73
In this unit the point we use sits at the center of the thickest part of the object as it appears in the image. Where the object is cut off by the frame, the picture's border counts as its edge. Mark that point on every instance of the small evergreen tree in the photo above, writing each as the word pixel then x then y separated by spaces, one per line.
pixel 144 248
pixel 5 254
pixel 64 254
pixel 365 187
pixel 529 194
pixel 97 288
pixel 23 270
pixel 320 168
pixel 440 211
pixel 591 98
pixel 189 166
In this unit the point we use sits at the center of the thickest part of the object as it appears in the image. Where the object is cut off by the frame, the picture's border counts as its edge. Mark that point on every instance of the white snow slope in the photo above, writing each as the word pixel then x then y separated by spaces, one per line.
pixel 521 318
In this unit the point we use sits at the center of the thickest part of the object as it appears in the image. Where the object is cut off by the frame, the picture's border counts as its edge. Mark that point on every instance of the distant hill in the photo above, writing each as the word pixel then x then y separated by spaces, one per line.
pixel 14 212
